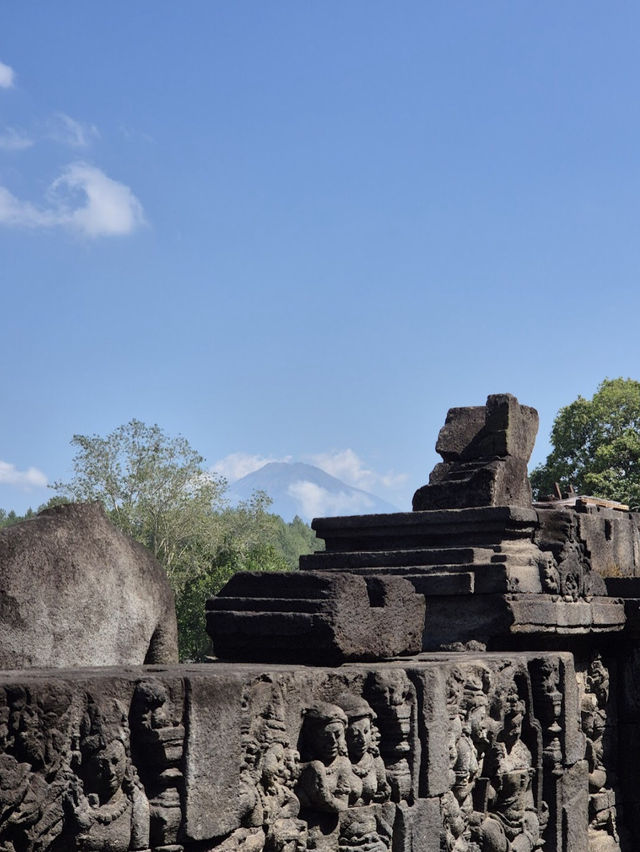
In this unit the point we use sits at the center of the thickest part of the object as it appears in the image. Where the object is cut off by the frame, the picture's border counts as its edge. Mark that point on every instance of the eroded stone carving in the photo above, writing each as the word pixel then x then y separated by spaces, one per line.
pixel 157 748
pixel 110 808
pixel 491 804
pixel 512 813
pixel 603 832
pixel 392 696
pixel 34 770
pixel 369 782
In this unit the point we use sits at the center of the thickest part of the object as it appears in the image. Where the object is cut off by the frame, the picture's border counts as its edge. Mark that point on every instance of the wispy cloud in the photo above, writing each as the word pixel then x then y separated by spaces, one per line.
pixel 12 139
pixel 67 131
pixel 349 467
pixel 7 76
pixel 83 199
pixel 237 465
pixel 26 479
pixel 317 502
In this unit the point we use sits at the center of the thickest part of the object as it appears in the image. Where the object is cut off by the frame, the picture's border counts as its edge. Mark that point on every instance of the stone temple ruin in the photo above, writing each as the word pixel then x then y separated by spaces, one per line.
pixel 464 677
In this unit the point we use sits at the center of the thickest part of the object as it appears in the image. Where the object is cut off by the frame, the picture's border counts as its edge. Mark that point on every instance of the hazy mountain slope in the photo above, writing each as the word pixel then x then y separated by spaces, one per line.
pixel 305 490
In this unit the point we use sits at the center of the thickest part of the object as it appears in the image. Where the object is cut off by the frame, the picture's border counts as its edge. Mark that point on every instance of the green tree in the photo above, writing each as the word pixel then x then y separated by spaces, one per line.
pixel 596 445
pixel 295 539
pixel 157 489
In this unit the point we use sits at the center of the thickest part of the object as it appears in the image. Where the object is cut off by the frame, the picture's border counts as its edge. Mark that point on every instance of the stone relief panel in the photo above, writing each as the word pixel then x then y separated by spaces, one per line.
pixel 289 761
pixel 603 831
pixel 494 797
pixel 565 561
pixel 35 766
pixel 157 746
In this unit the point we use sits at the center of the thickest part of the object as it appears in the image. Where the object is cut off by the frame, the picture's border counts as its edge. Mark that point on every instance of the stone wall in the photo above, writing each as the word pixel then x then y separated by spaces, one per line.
pixel 447 751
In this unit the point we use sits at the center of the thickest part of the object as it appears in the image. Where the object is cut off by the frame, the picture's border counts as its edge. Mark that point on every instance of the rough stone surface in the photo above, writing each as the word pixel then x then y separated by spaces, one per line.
pixel 386 756
pixel 315 617
pixel 75 591
pixel 485 452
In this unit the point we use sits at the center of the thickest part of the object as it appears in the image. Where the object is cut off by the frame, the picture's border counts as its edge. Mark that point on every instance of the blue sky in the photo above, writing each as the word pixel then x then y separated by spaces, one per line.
pixel 305 230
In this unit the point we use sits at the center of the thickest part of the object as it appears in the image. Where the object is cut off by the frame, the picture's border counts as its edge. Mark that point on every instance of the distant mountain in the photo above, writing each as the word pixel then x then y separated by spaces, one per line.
pixel 305 490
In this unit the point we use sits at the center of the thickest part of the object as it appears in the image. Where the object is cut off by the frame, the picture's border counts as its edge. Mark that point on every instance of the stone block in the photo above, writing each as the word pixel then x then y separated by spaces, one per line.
pixel 575 808
pixel 319 618
pixel 214 801
pixel 418 827
pixel 434 731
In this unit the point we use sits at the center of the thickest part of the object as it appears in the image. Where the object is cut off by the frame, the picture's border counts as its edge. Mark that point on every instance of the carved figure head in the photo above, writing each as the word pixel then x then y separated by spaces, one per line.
pixel 549 577
pixel 598 680
pixel 360 732
pixel 392 686
pixel 35 722
pixel 149 705
pixel 104 746
pixel 291 765
pixel 361 831
pixel 515 710
pixel 273 766
pixel 323 732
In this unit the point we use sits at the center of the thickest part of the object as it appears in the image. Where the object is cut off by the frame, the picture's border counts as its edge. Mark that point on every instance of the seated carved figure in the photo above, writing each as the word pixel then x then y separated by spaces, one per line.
pixel 512 824
pixel 370 779
pixel 285 832
pixel 363 832
pixel 111 810
pixel 391 695
pixel 326 779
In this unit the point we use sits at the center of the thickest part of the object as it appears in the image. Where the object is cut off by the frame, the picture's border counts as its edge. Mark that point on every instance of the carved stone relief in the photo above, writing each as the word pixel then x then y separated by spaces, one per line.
pixel 325 761
pixel 494 763
pixel 603 832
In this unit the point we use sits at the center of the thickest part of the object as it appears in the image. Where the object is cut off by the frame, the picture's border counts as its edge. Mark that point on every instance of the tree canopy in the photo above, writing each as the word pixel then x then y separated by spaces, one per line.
pixel 596 445
pixel 157 489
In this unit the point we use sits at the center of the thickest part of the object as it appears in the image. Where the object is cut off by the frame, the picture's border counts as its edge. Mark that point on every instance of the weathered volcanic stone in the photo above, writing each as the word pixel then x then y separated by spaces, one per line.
pixel 75 591
pixel 485 452
pixel 315 617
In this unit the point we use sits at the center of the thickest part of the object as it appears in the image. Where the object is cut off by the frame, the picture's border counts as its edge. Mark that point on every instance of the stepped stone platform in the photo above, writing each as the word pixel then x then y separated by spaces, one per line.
pixel 491 556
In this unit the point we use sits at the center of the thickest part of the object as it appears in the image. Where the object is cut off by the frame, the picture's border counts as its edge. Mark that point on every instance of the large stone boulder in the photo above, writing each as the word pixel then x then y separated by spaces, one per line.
pixel 75 591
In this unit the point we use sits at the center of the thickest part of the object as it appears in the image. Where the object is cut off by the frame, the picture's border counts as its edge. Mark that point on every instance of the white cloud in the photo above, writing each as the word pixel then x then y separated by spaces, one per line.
pixel 349 467
pixel 237 465
pixel 82 199
pixel 68 131
pixel 7 76
pixel 14 140
pixel 317 502
pixel 31 478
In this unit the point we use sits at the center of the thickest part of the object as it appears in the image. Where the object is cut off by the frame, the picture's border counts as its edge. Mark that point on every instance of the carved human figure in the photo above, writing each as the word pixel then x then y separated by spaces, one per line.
pixel 20 807
pixel 603 833
pixel 363 831
pixel 37 738
pixel 370 778
pixel 111 810
pixel 512 823
pixel 549 577
pixel 391 695
pixel 284 832
pixel 157 745
pixel 467 704
pixel 548 702
pixel 326 779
